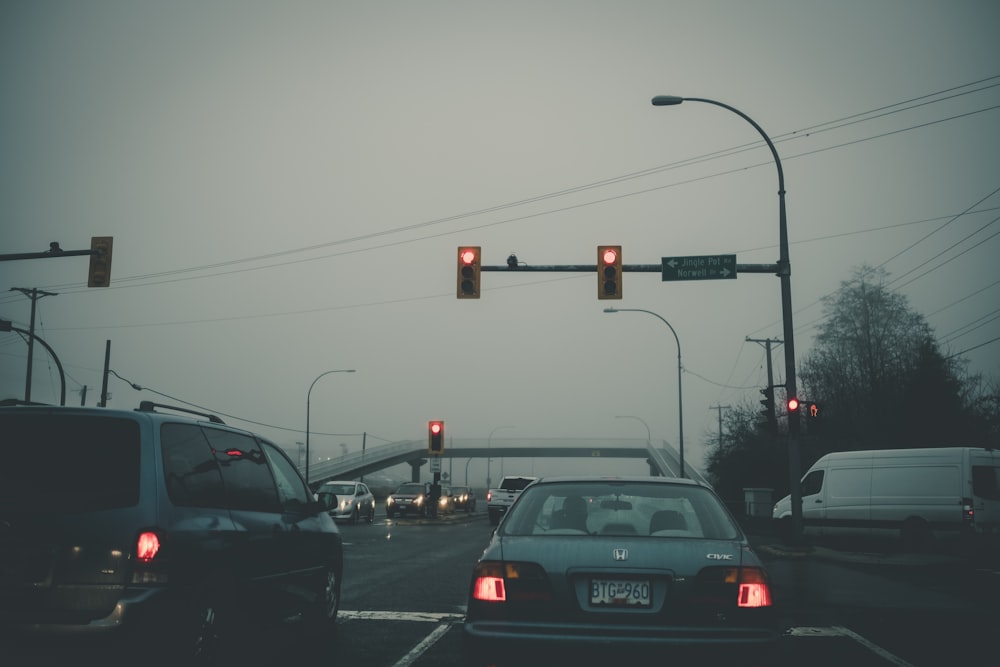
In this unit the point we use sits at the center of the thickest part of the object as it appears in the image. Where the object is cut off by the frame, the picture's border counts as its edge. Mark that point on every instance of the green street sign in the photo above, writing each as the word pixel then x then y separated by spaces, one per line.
pixel 699 267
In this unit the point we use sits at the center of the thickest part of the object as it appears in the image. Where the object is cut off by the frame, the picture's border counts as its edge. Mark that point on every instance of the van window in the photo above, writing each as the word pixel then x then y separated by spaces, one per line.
pixel 191 472
pixel 986 482
pixel 246 475
pixel 69 463
pixel 812 483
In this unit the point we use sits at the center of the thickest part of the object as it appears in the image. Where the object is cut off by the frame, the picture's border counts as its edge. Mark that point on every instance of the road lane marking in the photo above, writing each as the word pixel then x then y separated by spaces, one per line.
pixel 425 616
pixel 840 631
pixel 422 647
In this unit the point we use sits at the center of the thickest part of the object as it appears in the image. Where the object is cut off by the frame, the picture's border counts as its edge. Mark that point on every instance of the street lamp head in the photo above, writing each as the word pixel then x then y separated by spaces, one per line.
pixel 667 100
pixel 610 310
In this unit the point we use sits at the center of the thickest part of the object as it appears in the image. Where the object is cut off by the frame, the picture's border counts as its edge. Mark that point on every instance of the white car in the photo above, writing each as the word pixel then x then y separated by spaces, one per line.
pixel 354 501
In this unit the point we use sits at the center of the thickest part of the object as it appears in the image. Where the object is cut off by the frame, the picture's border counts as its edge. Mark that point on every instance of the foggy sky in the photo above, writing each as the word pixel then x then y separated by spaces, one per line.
pixel 287 182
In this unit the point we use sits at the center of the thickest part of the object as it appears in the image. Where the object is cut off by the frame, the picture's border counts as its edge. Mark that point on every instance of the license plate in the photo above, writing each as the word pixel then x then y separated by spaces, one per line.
pixel 620 592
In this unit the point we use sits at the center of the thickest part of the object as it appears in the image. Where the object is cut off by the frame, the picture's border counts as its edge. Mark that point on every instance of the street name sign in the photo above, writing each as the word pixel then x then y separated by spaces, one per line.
pixel 699 267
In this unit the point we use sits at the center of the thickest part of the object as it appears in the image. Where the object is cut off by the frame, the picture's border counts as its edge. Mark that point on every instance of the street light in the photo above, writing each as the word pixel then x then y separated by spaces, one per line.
pixel 680 400
pixel 785 276
pixel 488 445
pixel 308 397
pixel 649 437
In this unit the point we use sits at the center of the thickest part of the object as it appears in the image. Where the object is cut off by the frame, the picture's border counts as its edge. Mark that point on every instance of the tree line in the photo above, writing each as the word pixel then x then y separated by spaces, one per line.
pixel 878 379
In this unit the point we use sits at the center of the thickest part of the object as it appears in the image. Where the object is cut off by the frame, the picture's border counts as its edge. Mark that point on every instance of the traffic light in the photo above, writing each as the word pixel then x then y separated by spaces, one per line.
pixel 469 263
pixel 814 419
pixel 100 262
pixel 435 437
pixel 793 405
pixel 770 423
pixel 609 272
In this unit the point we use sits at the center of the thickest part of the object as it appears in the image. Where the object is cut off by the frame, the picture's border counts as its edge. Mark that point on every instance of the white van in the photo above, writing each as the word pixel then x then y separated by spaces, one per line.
pixel 910 493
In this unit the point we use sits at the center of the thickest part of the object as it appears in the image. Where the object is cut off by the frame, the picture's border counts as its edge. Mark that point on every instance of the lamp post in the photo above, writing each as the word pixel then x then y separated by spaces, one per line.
pixel 785 276
pixel 308 398
pixel 489 440
pixel 649 437
pixel 680 399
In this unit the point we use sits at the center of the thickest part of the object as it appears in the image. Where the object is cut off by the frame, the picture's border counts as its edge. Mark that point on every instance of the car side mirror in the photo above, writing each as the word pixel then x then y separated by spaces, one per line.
pixel 327 501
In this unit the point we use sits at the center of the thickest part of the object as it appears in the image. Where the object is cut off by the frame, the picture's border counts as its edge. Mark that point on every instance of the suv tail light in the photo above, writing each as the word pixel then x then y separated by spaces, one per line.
pixel 147 546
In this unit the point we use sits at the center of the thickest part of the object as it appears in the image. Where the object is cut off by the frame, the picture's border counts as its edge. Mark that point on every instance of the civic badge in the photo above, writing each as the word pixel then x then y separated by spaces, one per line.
pixel 620 554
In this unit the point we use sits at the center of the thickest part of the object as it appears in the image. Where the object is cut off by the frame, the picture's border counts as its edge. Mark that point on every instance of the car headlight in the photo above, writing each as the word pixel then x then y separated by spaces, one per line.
pixel 389 500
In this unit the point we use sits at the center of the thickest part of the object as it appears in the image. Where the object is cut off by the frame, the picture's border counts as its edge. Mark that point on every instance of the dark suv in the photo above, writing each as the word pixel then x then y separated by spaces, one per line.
pixel 148 524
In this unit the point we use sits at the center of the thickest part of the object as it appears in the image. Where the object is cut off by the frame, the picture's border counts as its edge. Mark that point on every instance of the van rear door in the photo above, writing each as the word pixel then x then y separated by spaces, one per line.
pixel 986 491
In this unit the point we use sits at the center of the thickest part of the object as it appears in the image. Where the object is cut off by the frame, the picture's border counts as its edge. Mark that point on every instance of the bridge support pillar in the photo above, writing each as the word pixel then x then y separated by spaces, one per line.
pixel 415 469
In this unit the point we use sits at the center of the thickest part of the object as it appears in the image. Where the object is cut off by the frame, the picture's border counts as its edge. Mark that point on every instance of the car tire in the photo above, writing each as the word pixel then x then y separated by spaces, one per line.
pixel 371 515
pixel 322 619
pixel 197 634
pixel 356 516
pixel 494 517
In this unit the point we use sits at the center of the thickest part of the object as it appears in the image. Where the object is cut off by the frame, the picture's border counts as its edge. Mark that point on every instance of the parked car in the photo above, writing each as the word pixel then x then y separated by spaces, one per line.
pixel 585 570
pixel 465 498
pixel 354 501
pixel 409 498
pixel 174 531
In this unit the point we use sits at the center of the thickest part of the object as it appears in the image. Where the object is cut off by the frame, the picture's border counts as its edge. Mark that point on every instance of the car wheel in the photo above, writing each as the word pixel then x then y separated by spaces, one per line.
pixel 371 515
pixel 198 631
pixel 321 623
pixel 356 516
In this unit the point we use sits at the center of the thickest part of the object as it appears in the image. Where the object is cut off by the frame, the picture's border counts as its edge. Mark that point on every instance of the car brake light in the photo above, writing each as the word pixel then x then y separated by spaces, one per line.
pixel 147 546
pixel 502 582
pixel 754 590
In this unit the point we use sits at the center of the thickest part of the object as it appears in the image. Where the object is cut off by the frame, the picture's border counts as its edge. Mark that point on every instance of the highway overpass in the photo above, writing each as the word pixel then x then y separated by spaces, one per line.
pixel 663 458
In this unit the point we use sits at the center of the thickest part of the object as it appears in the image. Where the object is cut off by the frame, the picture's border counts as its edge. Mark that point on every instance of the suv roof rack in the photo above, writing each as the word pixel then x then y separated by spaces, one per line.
pixel 150 406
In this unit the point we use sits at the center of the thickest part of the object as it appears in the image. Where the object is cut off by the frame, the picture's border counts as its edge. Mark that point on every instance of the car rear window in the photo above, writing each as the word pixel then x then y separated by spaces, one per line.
pixel 622 509
pixel 68 463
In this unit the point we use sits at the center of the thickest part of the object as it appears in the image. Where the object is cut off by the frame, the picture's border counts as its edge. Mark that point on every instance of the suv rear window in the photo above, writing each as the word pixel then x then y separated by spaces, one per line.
pixel 69 463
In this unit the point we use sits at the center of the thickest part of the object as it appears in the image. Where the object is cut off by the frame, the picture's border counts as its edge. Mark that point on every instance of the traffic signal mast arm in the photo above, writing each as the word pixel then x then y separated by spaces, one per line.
pixel 630 268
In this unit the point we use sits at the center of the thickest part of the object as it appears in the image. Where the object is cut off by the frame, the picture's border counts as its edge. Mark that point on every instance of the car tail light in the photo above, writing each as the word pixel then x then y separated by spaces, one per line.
pixel 495 581
pixel 716 586
pixel 147 546
pixel 754 590
pixel 489 496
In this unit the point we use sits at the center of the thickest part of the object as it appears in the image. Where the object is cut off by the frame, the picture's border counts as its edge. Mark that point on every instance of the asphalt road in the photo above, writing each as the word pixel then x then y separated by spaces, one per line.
pixel 406 583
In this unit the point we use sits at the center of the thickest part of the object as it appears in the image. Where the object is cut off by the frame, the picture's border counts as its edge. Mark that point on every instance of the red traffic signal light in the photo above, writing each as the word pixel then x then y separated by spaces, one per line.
pixel 469 263
pixel 793 405
pixel 609 272
pixel 435 437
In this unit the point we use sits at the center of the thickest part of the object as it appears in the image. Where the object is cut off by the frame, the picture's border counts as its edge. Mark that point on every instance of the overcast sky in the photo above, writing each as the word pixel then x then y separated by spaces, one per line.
pixel 287 183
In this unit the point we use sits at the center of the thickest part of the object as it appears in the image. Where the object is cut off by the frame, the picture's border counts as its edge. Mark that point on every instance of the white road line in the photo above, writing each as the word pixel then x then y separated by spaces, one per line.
pixel 840 631
pixel 425 616
pixel 422 647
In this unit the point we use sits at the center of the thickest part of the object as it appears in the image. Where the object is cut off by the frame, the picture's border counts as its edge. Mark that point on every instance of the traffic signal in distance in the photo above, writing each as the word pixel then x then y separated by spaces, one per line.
pixel 609 272
pixel 100 261
pixel 793 406
pixel 770 423
pixel 469 263
pixel 435 437
pixel 814 413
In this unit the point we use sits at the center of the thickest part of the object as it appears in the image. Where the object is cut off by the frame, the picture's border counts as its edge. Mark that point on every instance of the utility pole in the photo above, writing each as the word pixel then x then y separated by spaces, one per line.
pixel 772 418
pixel 34 294
pixel 720 408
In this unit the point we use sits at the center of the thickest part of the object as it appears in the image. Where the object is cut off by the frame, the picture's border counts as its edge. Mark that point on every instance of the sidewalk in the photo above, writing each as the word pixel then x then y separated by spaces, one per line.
pixel 765 540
